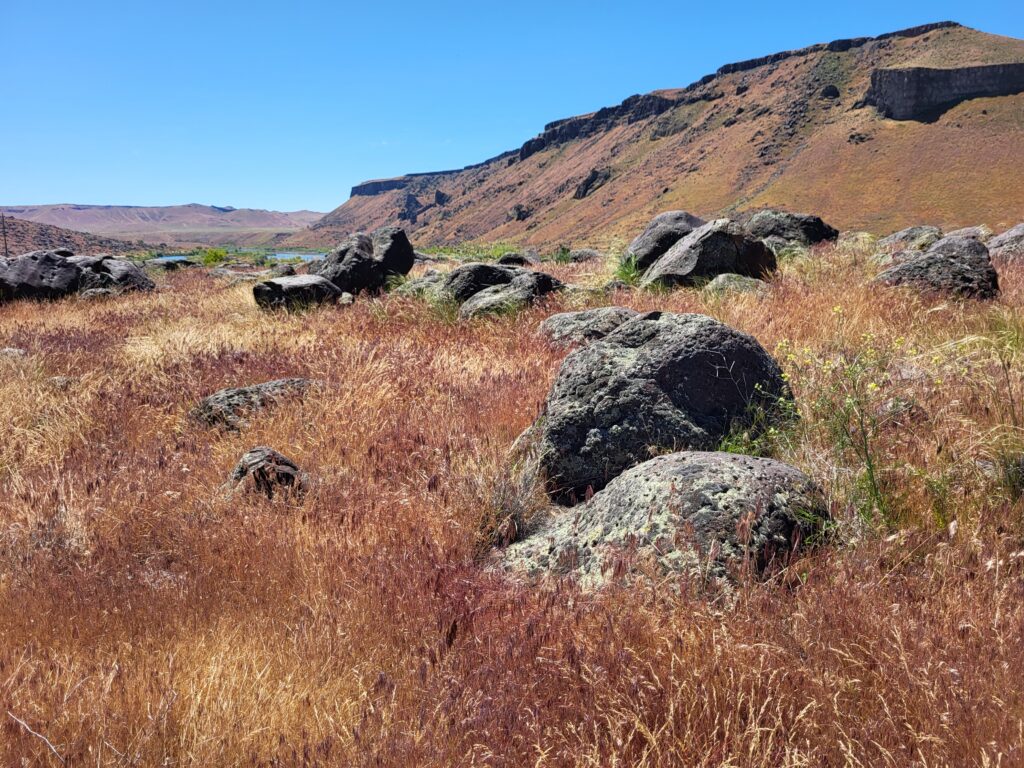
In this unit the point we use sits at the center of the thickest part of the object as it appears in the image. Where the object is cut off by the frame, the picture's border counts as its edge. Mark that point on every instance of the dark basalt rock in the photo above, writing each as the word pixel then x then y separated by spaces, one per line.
pixel 462 282
pixel 58 273
pixel 585 326
pixel 801 228
pixel 918 238
pixel 597 178
pixel 579 255
pixel 296 292
pixel 716 248
pixel 665 230
pixel 1009 244
pixel 957 266
pixel 514 260
pixel 924 93
pixel 522 290
pixel 660 381
pixel 693 514
pixel 228 407
pixel 391 247
pixel 364 263
pixel 266 471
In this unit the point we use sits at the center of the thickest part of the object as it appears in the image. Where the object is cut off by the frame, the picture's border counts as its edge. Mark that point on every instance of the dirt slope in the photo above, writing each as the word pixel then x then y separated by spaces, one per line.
pixel 24 236
pixel 757 133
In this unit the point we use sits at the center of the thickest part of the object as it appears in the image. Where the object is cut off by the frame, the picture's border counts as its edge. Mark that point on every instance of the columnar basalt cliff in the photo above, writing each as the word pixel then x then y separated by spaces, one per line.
pixel 923 93
pixel 793 129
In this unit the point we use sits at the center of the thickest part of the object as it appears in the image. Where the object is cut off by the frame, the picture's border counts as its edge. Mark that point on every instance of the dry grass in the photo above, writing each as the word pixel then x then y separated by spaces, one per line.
pixel 145 619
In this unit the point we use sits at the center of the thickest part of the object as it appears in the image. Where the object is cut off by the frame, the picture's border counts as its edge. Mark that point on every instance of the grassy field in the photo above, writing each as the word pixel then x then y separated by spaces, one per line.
pixel 148 619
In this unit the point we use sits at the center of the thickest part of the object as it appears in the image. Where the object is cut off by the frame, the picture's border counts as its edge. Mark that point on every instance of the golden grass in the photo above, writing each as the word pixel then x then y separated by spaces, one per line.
pixel 148 619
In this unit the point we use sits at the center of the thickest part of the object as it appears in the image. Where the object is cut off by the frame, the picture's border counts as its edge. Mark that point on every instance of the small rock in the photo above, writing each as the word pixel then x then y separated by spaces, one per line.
pixel 731 283
pixel 911 239
pixel 514 259
pixel 580 255
pixel 226 407
pixel 266 471
pixel 13 353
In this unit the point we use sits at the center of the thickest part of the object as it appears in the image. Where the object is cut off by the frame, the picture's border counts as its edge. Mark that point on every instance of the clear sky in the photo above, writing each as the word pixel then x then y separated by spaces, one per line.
pixel 287 105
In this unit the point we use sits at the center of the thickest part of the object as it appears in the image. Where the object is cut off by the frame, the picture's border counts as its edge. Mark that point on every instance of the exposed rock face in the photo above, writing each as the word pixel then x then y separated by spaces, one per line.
pixel 800 228
pixel 594 180
pixel 694 514
pixel 717 247
pixel 923 93
pixel 1009 244
pixel 364 263
pixel 522 290
pixel 958 266
pixel 58 273
pixel 577 328
pixel 296 292
pixel 660 381
pixel 266 471
pixel 911 239
pixel 228 407
pixel 462 282
pixel 665 230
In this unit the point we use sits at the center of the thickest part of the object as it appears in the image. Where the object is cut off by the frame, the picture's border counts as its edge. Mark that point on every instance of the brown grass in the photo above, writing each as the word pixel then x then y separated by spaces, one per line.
pixel 146 619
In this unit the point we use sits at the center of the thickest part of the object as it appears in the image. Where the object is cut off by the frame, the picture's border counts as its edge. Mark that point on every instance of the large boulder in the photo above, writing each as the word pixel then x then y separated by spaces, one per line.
pixel 659 382
pixel 695 514
pixel 296 292
pixel 391 247
pixel 577 328
pixel 801 228
pixel 39 275
pixel 1009 244
pixel 266 471
pixel 522 290
pixel 57 273
pixel 718 247
pixel 228 407
pixel 665 230
pixel 462 282
pixel 958 266
pixel 364 263
pixel 911 239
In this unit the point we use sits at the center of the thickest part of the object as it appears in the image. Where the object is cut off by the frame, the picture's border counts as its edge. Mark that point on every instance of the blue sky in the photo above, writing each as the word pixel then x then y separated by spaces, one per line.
pixel 286 106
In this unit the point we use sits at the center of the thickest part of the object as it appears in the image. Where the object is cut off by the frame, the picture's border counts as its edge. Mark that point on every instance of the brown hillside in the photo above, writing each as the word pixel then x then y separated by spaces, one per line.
pixel 755 133
pixel 191 224
pixel 25 236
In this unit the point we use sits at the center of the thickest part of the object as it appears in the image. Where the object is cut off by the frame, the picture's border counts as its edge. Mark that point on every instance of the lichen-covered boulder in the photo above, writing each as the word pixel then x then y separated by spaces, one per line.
pixel 659 382
pixel 296 292
pixel 423 286
pixel 801 228
pixel 957 266
pixel 521 291
pixel 980 232
pixel 228 407
pixel 576 328
pixel 266 471
pixel 911 239
pixel 718 247
pixel 462 282
pixel 696 514
pixel 665 230
pixel 1009 244
pixel 731 283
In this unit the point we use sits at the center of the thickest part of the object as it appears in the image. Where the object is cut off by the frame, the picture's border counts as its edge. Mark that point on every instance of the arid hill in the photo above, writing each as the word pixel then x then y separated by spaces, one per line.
pixel 24 236
pixel 178 224
pixel 804 130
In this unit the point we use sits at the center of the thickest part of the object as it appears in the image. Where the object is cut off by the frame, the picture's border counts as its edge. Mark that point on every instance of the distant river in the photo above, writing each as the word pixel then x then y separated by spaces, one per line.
pixel 271 256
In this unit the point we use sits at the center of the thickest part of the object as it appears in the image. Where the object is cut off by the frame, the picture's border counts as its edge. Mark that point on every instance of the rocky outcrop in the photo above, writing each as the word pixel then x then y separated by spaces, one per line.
pixel 716 248
pixel 595 179
pixel 229 407
pixel 698 515
pixel 924 93
pixel 660 381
